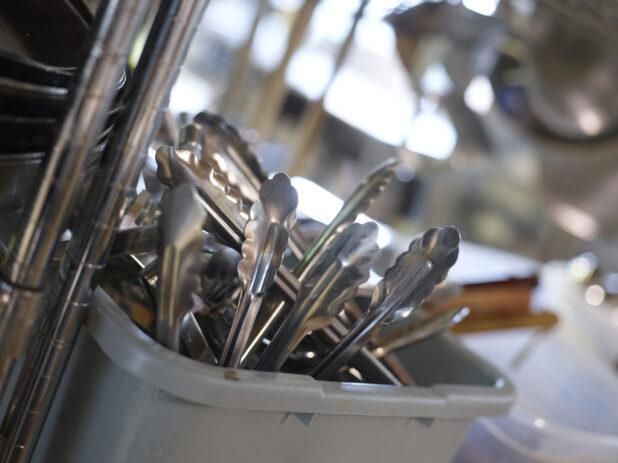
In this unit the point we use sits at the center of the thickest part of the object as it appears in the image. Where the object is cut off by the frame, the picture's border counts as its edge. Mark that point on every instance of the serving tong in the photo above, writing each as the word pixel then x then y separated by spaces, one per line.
pixel 266 237
pixel 255 316
pixel 411 279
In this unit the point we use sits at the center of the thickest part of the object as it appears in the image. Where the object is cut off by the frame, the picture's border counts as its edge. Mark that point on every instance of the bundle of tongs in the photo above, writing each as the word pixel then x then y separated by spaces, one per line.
pixel 235 283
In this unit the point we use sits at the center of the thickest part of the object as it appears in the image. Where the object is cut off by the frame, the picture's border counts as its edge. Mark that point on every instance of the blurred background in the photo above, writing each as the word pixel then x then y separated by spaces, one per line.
pixel 503 112
pixel 504 117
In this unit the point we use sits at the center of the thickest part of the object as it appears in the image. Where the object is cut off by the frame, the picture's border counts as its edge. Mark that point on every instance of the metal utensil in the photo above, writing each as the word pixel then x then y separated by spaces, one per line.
pixel 17 175
pixel 332 281
pixel 266 238
pixel 217 321
pixel 46 35
pixel 135 240
pixel 193 338
pixel 404 286
pixel 180 260
pixel 571 67
pixel 227 214
pixel 141 212
pixel 26 99
pixel 28 70
pixel 418 330
pixel 357 203
pixel 224 146
pixel 220 144
pixel 220 278
pixel 372 368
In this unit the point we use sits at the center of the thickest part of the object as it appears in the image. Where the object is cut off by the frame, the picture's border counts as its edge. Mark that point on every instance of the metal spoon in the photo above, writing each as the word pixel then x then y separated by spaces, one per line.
pixel 193 338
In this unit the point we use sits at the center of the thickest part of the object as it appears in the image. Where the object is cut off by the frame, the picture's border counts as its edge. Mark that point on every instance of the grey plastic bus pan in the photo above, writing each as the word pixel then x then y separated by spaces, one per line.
pixel 126 398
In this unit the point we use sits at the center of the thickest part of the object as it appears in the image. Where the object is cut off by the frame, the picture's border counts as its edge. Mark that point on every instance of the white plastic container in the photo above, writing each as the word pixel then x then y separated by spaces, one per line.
pixel 125 398
pixel 566 409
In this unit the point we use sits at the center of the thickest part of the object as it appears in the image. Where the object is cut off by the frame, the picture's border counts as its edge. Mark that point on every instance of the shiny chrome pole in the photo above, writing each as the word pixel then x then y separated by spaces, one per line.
pixel 48 208
pixel 166 47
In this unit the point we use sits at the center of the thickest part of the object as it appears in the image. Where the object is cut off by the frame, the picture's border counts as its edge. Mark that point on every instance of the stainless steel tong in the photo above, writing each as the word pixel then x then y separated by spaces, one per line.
pixel 266 238
pixel 331 282
pixel 403 288
pixel 292 314
pixel 180 260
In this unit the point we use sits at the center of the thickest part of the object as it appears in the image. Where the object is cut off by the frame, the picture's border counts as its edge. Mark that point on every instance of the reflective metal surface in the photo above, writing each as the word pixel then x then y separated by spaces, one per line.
pixel 358 202
pixel 47 210
pixel 180 260
pixel 418 330
pixel 332 281
pixel 267 233
pixel 165 51
pixel 403 288
pixel 204 256
pixel 572 72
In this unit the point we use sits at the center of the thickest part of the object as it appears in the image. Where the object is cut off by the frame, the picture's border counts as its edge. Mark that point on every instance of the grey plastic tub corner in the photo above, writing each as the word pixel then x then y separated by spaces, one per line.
pixel 125 398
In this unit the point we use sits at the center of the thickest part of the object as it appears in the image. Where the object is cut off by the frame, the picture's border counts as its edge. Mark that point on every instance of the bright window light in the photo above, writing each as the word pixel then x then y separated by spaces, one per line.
pixel 382 8
pixel 270 41
pixel 540 423
pixel 309 71
pixel 316 202
pixel 229 19
pixel 433 135
pixel 590 122
pixel 369 106
pixel 435 80
pixel 575 221
pixel 191 94
pixel 320 204
pixel 332 20
pixel 583 266
pixel 376 37
pixel 411 3
pixel 594 295
pixel 286 5
pixel 484 7
pixel 479 96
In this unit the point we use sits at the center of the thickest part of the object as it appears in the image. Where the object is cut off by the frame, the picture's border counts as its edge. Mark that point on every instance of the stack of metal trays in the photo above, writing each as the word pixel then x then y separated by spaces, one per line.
pixel 41 44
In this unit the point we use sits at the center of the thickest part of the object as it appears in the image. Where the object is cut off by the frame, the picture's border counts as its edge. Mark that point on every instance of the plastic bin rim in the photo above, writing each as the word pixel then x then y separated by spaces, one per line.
pixel 132 350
